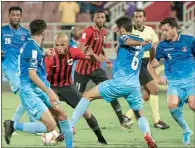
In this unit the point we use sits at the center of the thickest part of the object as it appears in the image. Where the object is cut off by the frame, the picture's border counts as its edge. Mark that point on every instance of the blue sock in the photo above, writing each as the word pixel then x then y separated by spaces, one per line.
pixel 79 111
pixel 143 125
pixel 19 112
pixel 32 127
pixel 177 114
pixel 66 128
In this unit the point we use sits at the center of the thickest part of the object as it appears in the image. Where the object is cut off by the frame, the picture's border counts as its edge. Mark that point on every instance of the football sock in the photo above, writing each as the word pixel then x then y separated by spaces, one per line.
pixel 177 114
pixel 68 132
pixel 79 110
pixel 117 108
pixel 19 112
pixel 143 124
pixel 93 124
pixel 154 106
pixel 32 127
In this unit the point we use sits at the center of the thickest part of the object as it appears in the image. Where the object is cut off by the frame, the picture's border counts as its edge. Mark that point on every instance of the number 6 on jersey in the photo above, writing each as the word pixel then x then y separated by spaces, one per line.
pixel 135 61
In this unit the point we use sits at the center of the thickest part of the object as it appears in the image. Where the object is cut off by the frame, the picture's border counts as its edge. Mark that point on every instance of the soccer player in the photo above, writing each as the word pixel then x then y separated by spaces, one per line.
pixel 178 53
pixel 95 36
pixel 13 36
pixel 125 81
pixel 39 100
pixel 150 88
pixel 59 75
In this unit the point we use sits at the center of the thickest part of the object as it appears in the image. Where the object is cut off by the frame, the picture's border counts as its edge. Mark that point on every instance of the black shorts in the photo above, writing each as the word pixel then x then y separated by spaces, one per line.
pixel 80 81
pixel 144 76
pixel 69 94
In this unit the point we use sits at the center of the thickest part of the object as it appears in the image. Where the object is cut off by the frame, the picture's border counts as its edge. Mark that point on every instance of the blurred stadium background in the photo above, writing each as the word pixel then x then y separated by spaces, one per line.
pixel 83 13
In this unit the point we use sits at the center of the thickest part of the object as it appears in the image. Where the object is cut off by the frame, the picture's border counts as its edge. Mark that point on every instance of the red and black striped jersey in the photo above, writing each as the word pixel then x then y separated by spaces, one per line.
pixel 59 67
pixel 94 38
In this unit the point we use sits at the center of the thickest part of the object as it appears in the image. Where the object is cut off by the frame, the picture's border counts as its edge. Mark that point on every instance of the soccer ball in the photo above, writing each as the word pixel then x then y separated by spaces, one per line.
pixel 48 139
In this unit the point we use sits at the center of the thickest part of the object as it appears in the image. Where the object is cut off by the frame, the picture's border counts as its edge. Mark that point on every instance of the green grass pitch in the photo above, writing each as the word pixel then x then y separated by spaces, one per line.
pixel 115 136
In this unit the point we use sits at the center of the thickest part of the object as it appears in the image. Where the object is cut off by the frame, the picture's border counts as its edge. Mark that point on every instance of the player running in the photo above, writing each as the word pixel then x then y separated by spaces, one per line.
pixel 39 100
pixel 178 51
pixel 125 82
pixel 59 75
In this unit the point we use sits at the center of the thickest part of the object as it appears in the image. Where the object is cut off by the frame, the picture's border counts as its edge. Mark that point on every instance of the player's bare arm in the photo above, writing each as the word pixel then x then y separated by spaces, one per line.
pixel 151 70
pixel 131 42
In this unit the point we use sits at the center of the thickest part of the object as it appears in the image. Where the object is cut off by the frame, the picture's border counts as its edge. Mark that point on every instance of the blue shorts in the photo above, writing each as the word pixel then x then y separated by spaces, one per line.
pixel 112 89
pixel 73 69
pixel 183 89
pixel 34 100
pixel 13 78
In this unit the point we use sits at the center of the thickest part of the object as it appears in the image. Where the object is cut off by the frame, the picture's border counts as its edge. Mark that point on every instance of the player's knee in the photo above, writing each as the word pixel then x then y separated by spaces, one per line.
pixel 87 114
pixel 172 105
pixel 154 90
pixel 87 95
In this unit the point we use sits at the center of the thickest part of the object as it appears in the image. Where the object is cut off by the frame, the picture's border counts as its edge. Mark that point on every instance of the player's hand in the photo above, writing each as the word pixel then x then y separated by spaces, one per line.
pixel 2 53
pixel 161 80
pixel 89 51
pixel 50 53
pixel 101 58
pixel 154 63
pixel 54 99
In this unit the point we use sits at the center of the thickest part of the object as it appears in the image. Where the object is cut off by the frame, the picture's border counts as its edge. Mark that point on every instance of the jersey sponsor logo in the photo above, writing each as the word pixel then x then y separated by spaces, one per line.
pixel 8 35
pixel 168 49
pixel 70 61
pixel 184 49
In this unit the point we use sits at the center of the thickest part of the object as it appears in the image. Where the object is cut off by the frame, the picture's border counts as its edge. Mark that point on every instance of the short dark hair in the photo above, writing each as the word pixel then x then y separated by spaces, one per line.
pixel 124 22
pixel 169 20
pixel 15 8
pixel 37 27
pixel 140 10
pixel 100 11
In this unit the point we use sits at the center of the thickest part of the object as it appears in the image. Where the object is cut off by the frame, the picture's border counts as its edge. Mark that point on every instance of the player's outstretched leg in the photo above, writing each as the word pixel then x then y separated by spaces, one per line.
pixel 144 126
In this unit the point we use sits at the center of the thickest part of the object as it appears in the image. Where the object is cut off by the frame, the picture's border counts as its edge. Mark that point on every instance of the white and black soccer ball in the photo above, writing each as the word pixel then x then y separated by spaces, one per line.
pixel 48 139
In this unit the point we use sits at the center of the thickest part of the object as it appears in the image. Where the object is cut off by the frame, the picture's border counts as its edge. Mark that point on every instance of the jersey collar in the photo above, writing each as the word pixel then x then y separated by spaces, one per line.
pixel 13 28
pixel 34 41
pixel 139 30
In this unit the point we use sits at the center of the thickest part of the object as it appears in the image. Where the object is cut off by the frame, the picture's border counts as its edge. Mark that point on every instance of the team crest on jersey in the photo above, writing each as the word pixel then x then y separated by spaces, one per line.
pixel 70 61
pixel 23 38
pixel 184 49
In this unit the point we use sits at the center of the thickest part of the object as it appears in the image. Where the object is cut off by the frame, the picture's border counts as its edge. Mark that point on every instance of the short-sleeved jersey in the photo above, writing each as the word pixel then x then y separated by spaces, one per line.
pixel 96 39
pixel 60 66
pixel 178 55
pixel 32 57
pixel 73 43
pixel 147 33
pixel 128 62
pixel 11 42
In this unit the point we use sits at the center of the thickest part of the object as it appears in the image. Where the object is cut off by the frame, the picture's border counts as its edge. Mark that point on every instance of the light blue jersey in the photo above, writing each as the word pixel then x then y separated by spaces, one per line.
pixel 178 55
pixel 179 65
pixel 11 42
pixel 128 62
pixel 32 57
pixel 35 101
pixel 125 82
